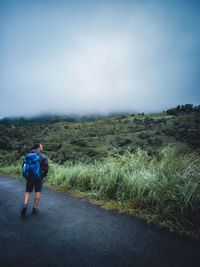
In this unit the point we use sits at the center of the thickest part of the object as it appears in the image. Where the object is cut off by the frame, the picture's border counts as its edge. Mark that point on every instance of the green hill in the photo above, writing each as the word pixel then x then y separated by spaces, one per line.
pixel 93 138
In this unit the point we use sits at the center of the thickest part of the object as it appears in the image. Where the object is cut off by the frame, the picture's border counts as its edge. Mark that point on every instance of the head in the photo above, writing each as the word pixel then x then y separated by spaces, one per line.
pixel 38 147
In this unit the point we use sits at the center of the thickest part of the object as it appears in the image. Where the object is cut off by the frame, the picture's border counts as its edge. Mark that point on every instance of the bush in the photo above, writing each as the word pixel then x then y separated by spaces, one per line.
pixel 53 146
pixel 78 142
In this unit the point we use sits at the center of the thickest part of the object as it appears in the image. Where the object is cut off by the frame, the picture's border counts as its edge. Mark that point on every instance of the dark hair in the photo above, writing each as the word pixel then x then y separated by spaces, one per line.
pixel 36 146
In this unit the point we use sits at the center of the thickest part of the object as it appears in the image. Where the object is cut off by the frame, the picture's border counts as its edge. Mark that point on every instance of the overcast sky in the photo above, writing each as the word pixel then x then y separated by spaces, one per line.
pixel 98 56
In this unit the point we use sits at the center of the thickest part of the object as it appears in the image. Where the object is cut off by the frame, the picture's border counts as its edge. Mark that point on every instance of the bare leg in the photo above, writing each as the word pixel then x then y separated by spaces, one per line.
pixel 26 197
pixel 37 198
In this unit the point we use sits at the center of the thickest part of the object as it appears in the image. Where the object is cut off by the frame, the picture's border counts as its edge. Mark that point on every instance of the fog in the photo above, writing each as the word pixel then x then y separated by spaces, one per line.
pixel 88 57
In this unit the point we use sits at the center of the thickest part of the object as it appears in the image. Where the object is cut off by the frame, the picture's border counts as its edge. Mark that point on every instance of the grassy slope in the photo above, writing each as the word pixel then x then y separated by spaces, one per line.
pixel 99 138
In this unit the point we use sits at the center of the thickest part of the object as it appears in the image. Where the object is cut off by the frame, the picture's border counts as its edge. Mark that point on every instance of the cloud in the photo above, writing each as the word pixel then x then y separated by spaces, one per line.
pixel 109 58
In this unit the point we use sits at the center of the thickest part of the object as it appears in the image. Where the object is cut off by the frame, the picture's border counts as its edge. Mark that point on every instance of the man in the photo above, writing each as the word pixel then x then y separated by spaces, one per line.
pixel 30 184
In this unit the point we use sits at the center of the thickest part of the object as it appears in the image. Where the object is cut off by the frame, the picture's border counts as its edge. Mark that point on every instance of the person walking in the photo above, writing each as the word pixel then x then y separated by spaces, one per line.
pixel 31 183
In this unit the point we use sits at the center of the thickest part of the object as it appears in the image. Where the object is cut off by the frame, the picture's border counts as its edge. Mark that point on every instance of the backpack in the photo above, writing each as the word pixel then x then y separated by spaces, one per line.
pixel 31 168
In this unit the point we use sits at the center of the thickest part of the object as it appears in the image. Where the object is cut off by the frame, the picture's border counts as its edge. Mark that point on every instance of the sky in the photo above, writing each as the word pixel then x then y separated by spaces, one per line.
pixel 86 57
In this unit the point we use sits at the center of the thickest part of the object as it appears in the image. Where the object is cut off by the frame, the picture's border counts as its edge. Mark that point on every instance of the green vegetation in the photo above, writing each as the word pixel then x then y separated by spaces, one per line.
pixel 181 109
pixel 91 140
pixel 148 165
pixel 11 170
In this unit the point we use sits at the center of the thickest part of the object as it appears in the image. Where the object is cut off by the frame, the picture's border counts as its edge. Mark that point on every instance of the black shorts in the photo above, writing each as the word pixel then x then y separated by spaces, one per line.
pixel 37 184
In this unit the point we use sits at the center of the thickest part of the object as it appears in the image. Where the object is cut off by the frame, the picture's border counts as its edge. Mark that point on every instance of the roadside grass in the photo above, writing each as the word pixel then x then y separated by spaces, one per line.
pixel 11 170
pixel 163 189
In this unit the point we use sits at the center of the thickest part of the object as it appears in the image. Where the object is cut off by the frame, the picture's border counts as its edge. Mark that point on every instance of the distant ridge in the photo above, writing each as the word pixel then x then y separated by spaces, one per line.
pixel 52 118
pixel 56 117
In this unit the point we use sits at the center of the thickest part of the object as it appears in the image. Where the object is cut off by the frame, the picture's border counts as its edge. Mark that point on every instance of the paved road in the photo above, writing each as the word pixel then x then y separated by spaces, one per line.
pixel 72 232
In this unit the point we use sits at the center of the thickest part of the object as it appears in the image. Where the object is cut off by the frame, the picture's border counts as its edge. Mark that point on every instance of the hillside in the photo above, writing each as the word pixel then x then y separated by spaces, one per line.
pixel 95 138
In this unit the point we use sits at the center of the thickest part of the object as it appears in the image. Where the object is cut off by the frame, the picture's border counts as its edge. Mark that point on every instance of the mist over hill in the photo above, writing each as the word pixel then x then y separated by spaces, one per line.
pixel 95 137
pixel 59 117
pixel 56 117
pixel 73 117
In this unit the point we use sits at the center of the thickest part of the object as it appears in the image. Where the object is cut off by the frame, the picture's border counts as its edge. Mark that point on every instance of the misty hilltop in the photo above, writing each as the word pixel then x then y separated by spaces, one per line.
pixel 93 138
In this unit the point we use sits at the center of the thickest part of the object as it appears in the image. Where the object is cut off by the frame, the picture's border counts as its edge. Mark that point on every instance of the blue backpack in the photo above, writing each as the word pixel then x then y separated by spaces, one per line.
pixel 31 168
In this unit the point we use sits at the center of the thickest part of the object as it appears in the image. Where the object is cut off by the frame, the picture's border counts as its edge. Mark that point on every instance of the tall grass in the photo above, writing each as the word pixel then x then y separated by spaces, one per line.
pixel 11 170
pixel 168 185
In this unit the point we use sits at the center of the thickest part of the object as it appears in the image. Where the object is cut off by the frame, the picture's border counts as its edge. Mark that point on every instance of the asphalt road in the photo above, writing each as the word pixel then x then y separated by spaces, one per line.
pixel 69 231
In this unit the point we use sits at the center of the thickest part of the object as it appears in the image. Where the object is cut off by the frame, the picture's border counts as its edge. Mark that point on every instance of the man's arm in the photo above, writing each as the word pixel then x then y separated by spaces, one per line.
pixel 45 166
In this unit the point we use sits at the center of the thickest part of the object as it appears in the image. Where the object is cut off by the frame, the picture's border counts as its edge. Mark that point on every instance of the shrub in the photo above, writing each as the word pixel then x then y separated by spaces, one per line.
pixel 78 142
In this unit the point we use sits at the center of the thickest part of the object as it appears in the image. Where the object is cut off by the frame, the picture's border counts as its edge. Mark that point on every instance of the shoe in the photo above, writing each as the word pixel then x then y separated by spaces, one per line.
pixel 23 211
pixel 35 211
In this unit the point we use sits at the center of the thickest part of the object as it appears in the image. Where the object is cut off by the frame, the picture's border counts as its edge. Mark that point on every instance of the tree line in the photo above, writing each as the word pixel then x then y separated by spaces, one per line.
pixel 187 108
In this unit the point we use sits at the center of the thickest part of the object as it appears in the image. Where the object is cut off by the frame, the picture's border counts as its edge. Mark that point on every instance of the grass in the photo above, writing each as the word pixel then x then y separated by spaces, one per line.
pixel 11 170
pixel 163 189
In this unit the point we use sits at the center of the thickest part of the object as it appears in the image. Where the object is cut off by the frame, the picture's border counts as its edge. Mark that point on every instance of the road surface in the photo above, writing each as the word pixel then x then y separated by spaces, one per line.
pixel 69 231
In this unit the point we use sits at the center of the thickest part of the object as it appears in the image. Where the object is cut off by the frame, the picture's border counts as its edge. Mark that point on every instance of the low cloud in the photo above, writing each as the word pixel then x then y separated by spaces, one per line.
pixel 112 58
